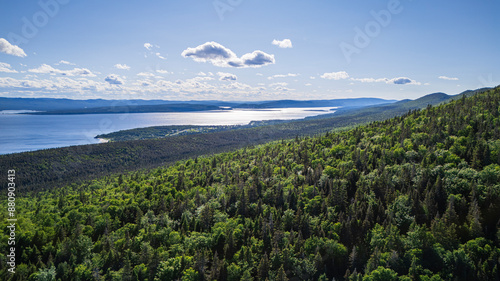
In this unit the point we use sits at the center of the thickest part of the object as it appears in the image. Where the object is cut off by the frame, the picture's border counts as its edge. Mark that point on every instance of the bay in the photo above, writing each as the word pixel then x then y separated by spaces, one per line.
pixel 22 132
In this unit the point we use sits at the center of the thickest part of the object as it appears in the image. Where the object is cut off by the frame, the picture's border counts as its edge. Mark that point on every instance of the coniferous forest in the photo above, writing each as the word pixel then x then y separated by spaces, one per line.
pixel 415 197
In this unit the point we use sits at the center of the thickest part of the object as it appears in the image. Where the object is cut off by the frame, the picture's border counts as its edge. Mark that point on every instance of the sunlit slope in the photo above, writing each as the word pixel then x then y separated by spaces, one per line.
pixel 416 197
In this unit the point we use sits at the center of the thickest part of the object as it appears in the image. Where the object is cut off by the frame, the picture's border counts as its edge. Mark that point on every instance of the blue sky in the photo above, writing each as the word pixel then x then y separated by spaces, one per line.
pixel 223 49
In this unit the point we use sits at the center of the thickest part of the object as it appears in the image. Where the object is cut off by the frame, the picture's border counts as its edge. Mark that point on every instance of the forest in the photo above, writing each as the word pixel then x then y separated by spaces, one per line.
pixel 139 149
pixel 157 132
pixel 414 197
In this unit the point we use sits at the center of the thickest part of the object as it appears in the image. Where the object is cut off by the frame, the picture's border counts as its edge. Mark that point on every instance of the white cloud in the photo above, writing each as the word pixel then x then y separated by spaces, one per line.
pixel 122 66
pixel 56 85
pixel 335 75
pixel 152 52
pixel 397 80
pixel 278 84
pixel 236 86
pixel 285 43
pixel 212 52
pixel 221 56
pixel 5 67
pixel 161 71
pixel 197 88
pixel 160 56
pixel 143 83
pixel 64 62
pixel 223 76
pixel 312 77
pixel 47 69
pixel 370 80
pixel 114 79
pixel 402 81
pixel 308 84
pixel 282 89
pixel 448 78
pixel 9 49
pixel 201 78
pixel 145 74
pixel 257 59
pixel 201 73
pixel 283 75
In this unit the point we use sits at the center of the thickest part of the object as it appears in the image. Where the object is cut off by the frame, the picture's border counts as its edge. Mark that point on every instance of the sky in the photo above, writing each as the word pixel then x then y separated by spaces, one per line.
pixel 246 50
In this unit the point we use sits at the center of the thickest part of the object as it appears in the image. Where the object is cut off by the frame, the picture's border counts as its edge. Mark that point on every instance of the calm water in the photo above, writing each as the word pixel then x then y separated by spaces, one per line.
pixel 19 132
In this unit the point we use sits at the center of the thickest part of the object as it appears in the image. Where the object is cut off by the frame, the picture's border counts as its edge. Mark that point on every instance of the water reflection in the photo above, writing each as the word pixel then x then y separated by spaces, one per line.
pixel 20 132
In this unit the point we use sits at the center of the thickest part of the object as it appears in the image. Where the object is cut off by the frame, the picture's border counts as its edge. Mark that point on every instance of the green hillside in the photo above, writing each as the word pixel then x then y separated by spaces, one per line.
pixel 52 168
pixel 416 197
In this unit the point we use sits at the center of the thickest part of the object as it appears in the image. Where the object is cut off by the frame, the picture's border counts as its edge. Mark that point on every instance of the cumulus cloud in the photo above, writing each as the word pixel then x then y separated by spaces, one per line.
pixel 5 67
pixel 223 76
pixel 257 59
pixel 448 78
pixel 397 80
pixel 221 56
pixel 148 46
pixel 285 43
pixel 122 66
pixel 161 71
pixel 283 75
pixel 401 80
pixel 47 69
pixel 9 49
pixel 212 52
pixel 335 75
pixel 114 79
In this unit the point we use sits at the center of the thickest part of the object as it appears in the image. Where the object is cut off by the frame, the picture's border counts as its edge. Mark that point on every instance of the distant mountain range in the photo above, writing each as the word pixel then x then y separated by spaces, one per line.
pixel 357 102
pixel 95 106
pixel 384 111
pixel 100 106
pixel 176 107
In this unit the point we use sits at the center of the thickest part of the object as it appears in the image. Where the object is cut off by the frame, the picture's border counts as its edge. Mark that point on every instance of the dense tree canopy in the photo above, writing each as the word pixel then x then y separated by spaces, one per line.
pixel 415 197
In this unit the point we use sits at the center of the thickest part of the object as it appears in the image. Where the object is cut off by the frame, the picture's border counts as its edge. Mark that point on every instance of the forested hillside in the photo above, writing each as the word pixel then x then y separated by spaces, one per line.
pixel 57 167
pixel 415 197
